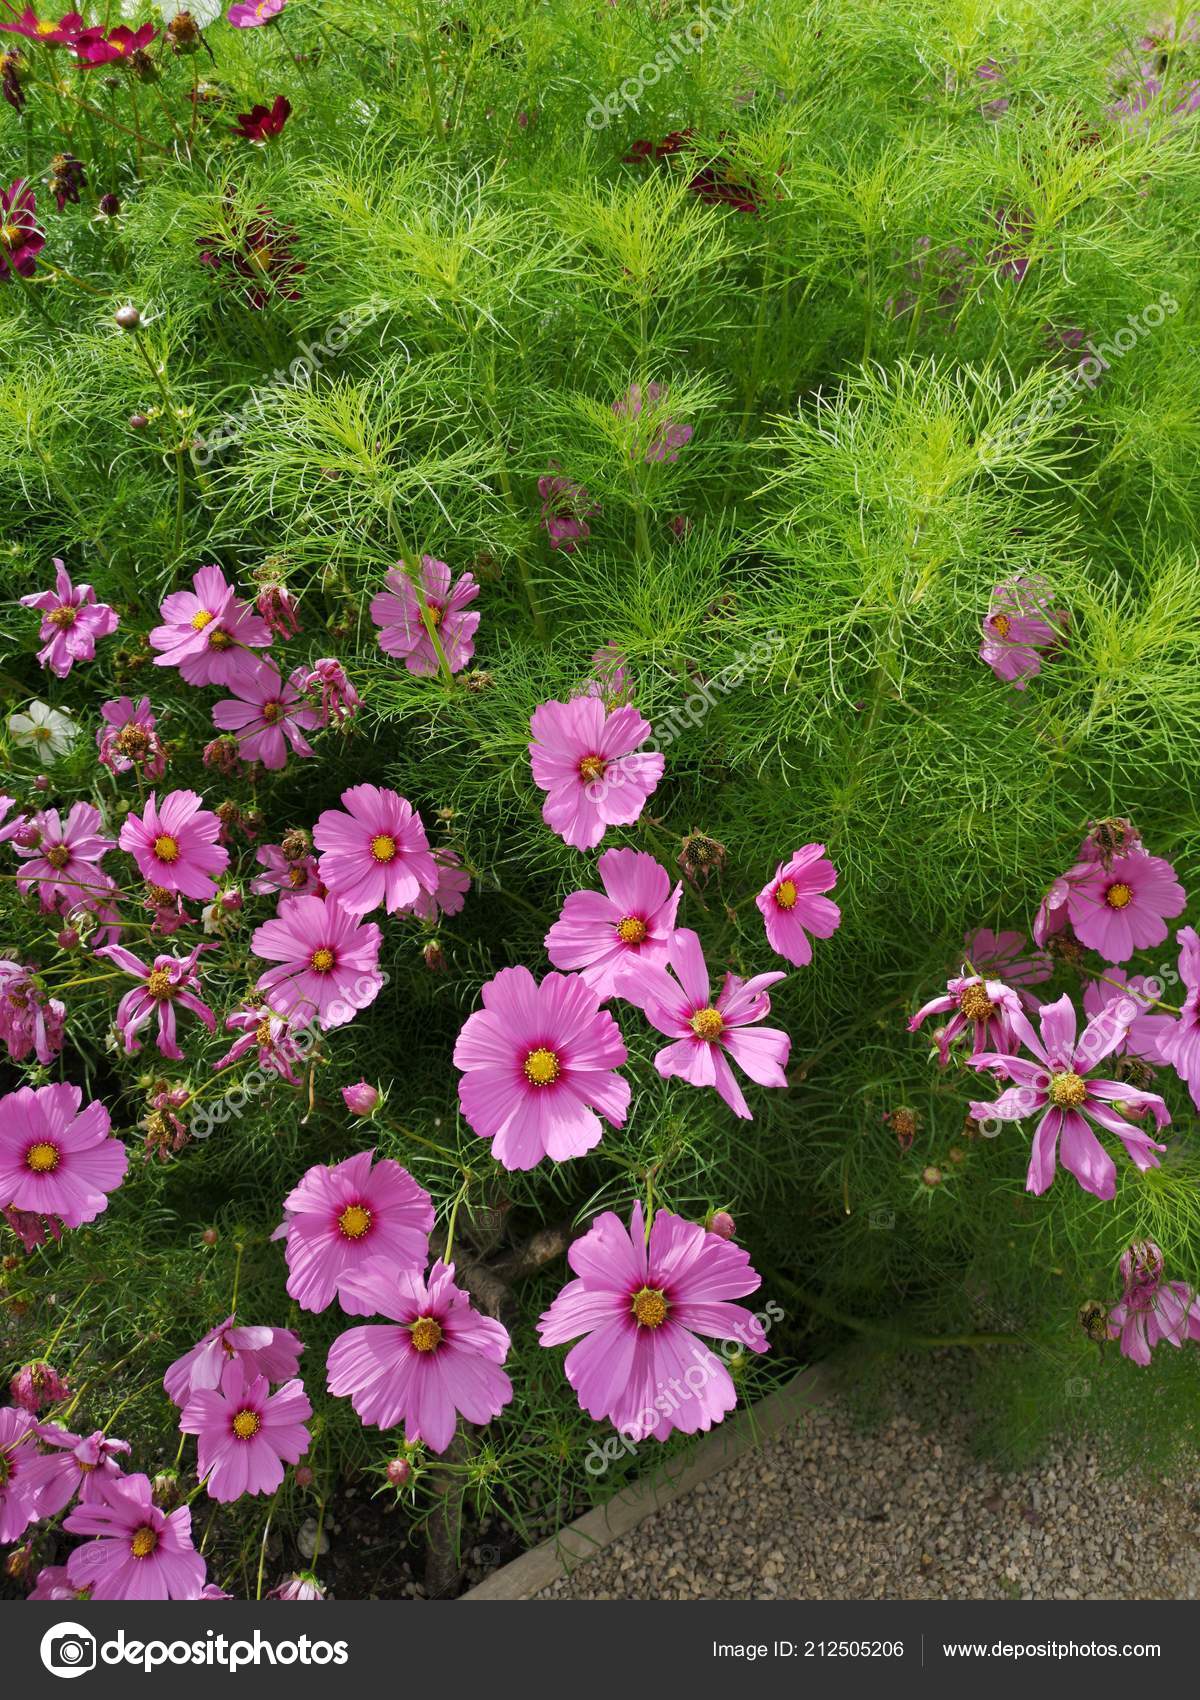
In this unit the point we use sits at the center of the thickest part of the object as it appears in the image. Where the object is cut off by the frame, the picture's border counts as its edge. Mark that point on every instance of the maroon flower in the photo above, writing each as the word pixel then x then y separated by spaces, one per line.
pixel 263 122
pixel 10 80
pixel 671 143
pixel 21 241
pixel 258 250
pixel 723 184
pixel 67 177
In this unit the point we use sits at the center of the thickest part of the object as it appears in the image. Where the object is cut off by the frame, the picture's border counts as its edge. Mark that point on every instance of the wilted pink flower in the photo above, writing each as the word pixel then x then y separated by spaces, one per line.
pixel 402 629
pixel 707 1034
pixel 72 620
pixel 340 701
pixel 31 1229
pixel 566 509
pixel 29 1020
pixel 538 1063
pixel 293 876
pixel 328 961
pixel 375 852
pixel 640 1306
pixel 268 715
pixel 37 1385
pixel 984 1006
pixel 590 765
pixel 450 896
pixel 261 1351
pixel 65 862
pixel 1150 1309
pixel 176 844
pixel 20 1478
pixel 209 634
pixel 140 1553
pixel 791 904
pixel 1179 1041
pixel 1147 1028
pixel 55 1159
pixel 1002 956
pixel 1021 625
pixel 170 983
pixel 76 1464
pixel 275 601
pixel 245 1433
pixel 434 1359
pixel 303 1587
pixel 361 1098
pixel 610 680
pixel 1125 906
pixel 341 1217
pixel 631 921
pixel 665 438
pixel 129 739
pixel 271 1035
pixel 1057 1085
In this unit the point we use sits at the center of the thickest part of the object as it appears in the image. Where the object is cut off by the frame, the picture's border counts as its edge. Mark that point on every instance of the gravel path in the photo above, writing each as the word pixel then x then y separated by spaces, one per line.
pixel 826 1511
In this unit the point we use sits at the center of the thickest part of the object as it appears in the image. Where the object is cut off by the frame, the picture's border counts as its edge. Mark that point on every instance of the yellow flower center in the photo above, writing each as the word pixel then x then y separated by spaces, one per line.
pixel 220 639
pixel 247 1424
pixel 354 1221
pixel 62 617
pixel 262 1033
pixel 10 234
pixel 45 28
pixel 297 876
pixel 426 1333
pixel 632 930
pixel 58 855
pixel 1118 896
pixel 322 960
pixel 785 894
pixel 708 1023
pixel 592 768
pixel 144 1541
pixel 383 847
pixel 166 848
pixel 201 618
pixel 1067 1090
pixel 271 711
pixel 133 741
pixel 159 983
pixel 975 1003
pixel 435 614
pixel 649 1308
pixel 542 1067
pixel 1001 625
pixel 42 1158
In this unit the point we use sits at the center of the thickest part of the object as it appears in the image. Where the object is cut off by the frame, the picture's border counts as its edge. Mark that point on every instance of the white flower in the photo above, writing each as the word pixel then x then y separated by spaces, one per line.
pixel 43 729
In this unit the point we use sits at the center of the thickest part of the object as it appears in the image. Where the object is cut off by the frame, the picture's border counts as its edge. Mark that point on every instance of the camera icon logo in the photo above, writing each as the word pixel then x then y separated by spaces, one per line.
pixel 69 1649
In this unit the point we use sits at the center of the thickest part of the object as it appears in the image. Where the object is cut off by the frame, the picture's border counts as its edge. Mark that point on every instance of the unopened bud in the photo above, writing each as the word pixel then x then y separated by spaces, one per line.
pixel 399 1471
pixel 722 1223
pixel 128 318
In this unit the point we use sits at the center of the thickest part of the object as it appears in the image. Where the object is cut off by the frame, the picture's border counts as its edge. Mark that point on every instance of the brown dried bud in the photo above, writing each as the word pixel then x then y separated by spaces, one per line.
pixel 700 857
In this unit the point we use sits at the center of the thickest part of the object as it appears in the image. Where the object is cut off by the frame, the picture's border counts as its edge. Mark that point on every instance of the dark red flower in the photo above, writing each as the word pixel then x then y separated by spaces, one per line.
pixel 67 177
pixel 671 143
pixel 257 249
pixel 10 80
pixel 723 184
pixel 20 239
pixel 263 122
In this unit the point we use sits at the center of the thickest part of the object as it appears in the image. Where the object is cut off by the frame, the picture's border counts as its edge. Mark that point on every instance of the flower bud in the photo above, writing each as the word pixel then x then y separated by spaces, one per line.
pixel 361 1098
pixel 399 1471
pixel 722 1223
pixel 128 318
pixel 138 421
pixel 210 1236
pixel 931 1176
pixel 303 1476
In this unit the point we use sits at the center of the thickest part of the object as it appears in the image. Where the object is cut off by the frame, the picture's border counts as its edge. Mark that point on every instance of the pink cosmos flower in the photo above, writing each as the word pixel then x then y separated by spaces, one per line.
pixel 92 47
pixel 342 1216
pixel 72 620
pixel 1151 1309
pixel 588 762
pixel 36 1385
pixel 245 1433
pixel 252 14
pixel 707 1034
pixel 52 1584
pixel 140 1553
pixel 436 1358
pixel 397 612
pixel 450 894
pixel 265 716
pixel 1147 1029
pixel 56 1160
pixel 610 679
pixel 1002 956
pixel 29 1020
pixel 631 921
pixel 302 1587
pixel 1057 1084
pixel 328 961
pixel 295 876
pixel 129 738
pixel 209 634
pixel 985 1006
pixel 792 907
pixel 20 1479
pixel 1021 625
pixel 65 860
pixel 665 438
pixel 1124 907
pixel 273 1353
pixel 640 1308
pixel 171 983
pixel 278 1047
pixel 175 844
pixel 538 1062
pixel 375 852
pixel 1179 1041
pixel 566 509
pixel 76 1464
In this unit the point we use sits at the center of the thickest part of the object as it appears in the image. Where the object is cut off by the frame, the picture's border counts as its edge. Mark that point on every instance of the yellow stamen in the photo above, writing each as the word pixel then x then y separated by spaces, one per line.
pixel 708 1023
pixel 322 960
pixel 632 930
pixel 1067 1090
pixel 426 1333
pixel 541 1067
pixel 1118 896
pixel 42 1158
pixel 785 894
pixel 435 614
pixel 63 617
pixel 201 619
pixel 144 1541
pixel 354 1221
pixel 592 768
pixel 649 1308
pixel 220 639
pixel 166 848
pixel 271 711
pixel 383 847
pixel 1001 625
pixel 159 983
pixel 975 1003
pixel 58 855
pixel 247 1424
